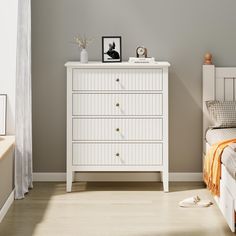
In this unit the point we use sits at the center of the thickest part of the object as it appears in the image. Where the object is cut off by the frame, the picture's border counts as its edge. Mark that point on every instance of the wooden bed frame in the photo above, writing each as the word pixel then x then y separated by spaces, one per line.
pixel 219 83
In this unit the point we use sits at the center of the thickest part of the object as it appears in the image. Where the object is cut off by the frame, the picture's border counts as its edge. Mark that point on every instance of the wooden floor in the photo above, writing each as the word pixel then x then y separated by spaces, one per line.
pixel 112 209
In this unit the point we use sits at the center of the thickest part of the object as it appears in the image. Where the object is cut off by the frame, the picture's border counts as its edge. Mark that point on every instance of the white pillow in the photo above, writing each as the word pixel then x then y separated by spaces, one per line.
pixel 222 113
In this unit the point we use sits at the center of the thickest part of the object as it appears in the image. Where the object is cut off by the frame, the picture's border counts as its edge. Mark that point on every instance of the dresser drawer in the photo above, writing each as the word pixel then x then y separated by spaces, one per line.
pixel 117 104
pixel 117 79
pixel 118 154
pixel 116 129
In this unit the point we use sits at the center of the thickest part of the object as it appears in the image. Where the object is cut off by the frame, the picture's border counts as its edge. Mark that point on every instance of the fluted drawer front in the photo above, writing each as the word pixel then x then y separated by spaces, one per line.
pixel 116 129
pixel 117 79
pixel 117 154
pixel 117 104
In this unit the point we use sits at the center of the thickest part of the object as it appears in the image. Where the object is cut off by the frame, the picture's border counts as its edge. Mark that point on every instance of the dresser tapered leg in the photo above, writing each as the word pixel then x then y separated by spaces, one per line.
pixel 69 178
pixel 165 179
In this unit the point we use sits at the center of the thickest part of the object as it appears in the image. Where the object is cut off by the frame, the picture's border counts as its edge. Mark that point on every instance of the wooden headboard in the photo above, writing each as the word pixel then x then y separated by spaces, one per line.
pixel 219 83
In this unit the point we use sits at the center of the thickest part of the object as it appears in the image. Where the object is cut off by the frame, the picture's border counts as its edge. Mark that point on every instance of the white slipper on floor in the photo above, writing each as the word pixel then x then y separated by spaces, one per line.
pixel 204 203
pixel 190 202
pixel 195 202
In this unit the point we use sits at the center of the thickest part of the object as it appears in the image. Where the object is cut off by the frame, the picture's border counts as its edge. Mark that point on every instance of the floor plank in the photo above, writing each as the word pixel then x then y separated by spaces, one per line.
pixel 112 209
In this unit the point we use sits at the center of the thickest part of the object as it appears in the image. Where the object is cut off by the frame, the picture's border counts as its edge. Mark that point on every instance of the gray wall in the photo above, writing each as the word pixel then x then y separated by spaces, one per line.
pixel 177 31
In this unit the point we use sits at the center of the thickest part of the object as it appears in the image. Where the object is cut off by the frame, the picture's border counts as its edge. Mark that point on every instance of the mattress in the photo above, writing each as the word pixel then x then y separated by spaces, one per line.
pixel 216 135
pixel 228 157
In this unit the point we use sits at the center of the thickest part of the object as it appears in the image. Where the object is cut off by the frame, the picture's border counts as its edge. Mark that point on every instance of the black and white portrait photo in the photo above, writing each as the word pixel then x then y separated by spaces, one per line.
pixel 111 49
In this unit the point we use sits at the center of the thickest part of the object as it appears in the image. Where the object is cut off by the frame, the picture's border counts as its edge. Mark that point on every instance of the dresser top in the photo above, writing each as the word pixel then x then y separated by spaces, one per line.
pixel 96 64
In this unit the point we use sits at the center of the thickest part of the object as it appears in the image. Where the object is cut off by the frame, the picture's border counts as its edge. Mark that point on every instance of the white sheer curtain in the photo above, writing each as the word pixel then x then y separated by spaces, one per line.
pixel 23 157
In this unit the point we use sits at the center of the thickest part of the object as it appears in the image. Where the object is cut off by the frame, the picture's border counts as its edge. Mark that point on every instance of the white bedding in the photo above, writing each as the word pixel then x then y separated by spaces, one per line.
pixel 229 155
pixel 216 135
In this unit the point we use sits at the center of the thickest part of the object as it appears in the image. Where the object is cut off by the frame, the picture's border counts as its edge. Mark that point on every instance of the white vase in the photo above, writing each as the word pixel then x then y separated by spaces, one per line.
pixel 84 56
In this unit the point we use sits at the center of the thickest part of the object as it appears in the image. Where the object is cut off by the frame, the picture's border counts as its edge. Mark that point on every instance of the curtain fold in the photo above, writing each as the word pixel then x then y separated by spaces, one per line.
pixel 23 125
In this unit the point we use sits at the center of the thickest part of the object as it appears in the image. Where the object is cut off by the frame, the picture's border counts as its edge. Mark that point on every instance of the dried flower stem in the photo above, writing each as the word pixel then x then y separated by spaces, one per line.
pixel 82 42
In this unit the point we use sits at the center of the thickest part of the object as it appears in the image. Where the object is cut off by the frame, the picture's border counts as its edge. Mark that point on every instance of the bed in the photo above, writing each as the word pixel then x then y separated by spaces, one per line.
pixel 219 83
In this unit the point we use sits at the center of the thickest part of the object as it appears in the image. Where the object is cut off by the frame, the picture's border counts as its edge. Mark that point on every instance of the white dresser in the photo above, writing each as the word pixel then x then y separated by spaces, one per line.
pixel 117 118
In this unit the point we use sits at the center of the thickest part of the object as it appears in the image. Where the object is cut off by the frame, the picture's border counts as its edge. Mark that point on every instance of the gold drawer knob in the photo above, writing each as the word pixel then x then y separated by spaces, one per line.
pixel 117 129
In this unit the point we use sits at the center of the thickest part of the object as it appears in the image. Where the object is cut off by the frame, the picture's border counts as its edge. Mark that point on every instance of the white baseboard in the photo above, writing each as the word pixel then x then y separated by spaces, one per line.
pixel 7 205
pixel 186 176
pixel 103 176
pixel 49 177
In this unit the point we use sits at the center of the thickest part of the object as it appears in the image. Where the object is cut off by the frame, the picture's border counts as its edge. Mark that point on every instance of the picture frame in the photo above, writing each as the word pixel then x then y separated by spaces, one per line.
pixel 111 49
pixel 3 113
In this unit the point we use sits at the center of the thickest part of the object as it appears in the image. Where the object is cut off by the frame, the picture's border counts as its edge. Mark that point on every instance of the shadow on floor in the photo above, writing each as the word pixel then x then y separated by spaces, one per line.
pixel 24 215
pixel 135 186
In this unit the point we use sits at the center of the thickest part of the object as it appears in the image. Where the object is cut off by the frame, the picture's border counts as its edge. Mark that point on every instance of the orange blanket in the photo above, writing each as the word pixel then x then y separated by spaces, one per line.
pixel 212 166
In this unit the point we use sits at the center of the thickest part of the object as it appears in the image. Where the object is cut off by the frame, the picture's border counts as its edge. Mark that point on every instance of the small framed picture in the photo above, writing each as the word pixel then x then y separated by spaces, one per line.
pixel 3 111
pixel 111 49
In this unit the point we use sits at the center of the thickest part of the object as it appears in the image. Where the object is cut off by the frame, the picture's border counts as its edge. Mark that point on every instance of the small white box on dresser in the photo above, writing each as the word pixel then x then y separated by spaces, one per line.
pixel 117 118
